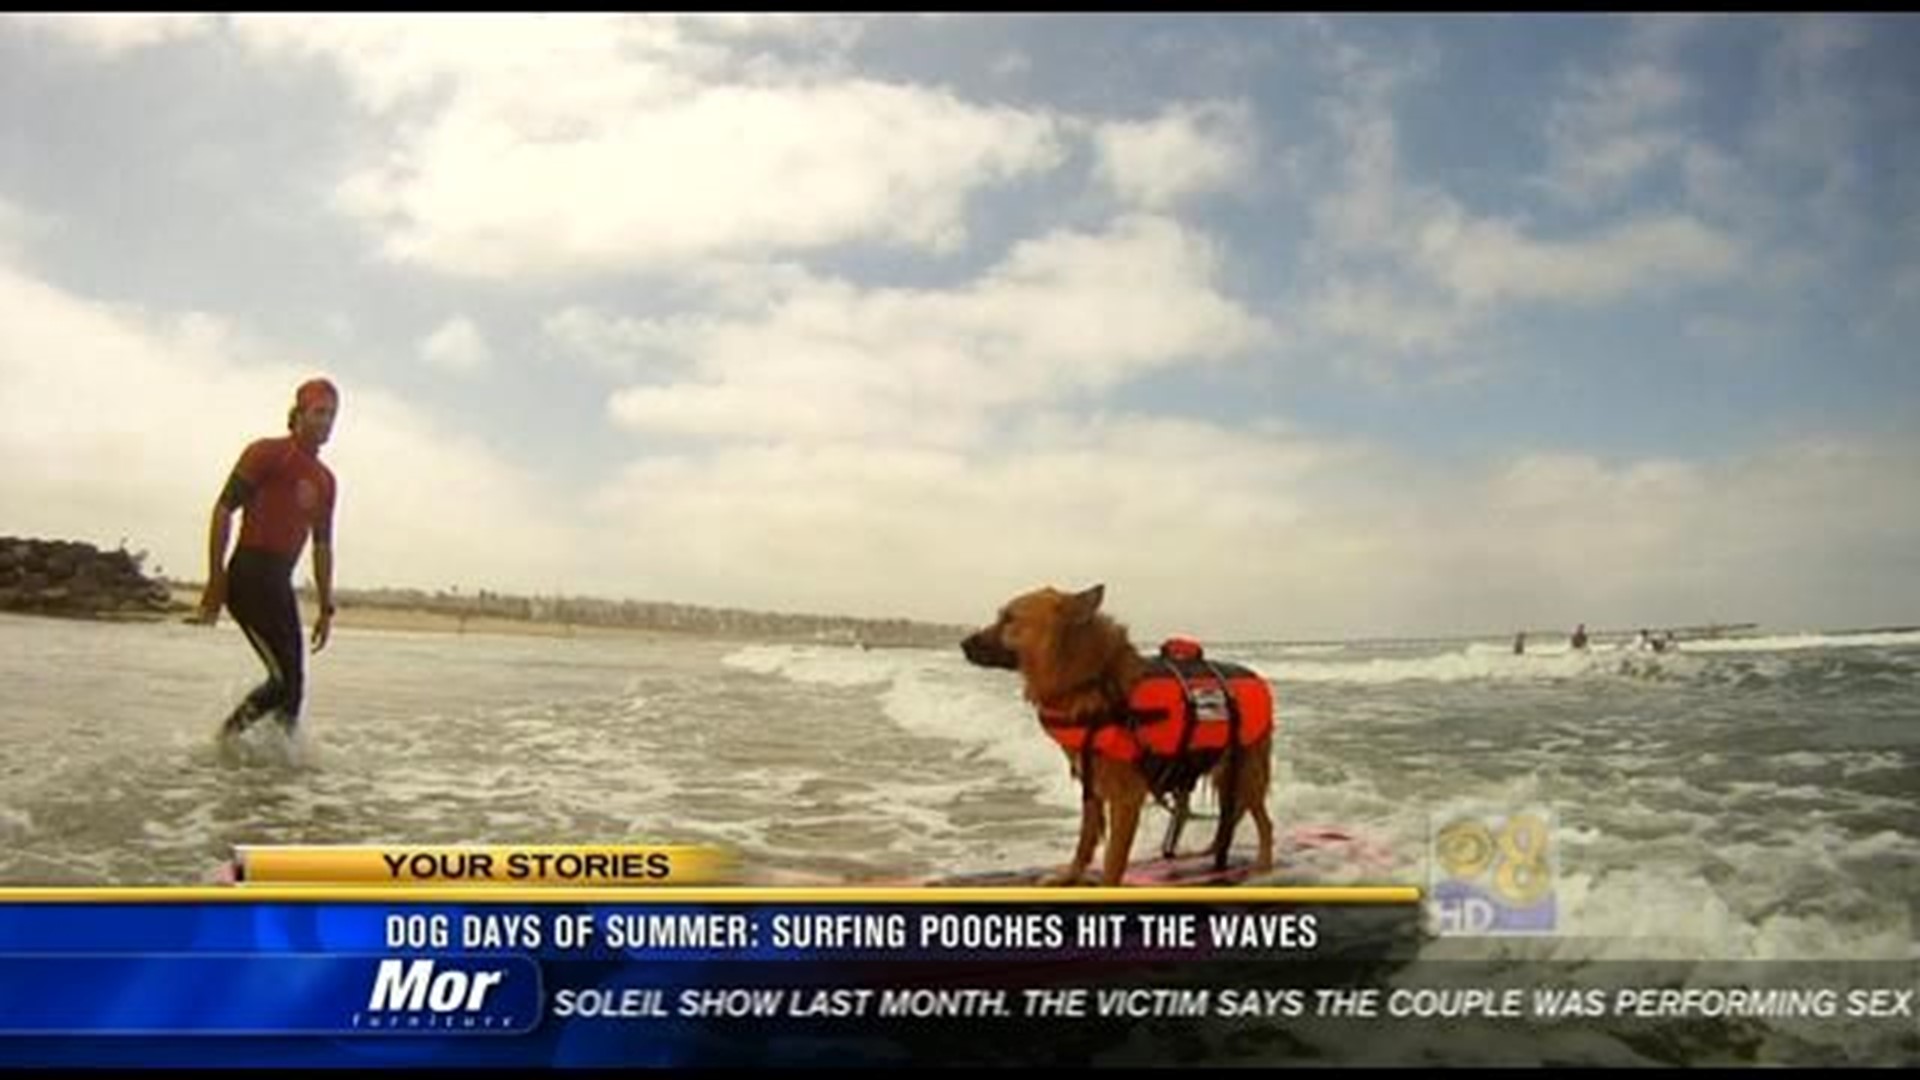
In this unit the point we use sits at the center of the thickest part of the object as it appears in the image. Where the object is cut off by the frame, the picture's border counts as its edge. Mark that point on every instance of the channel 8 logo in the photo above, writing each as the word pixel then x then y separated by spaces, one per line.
pixel 1494 874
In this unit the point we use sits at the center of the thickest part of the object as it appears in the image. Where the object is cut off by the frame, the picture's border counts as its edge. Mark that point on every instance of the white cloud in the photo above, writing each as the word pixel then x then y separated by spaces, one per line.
pixel 1604 165
pixel 1614 126
pixel 1672 541
pixel 115 35
pixel 1404 269
pixel 1808 121
pixel 1236 533
pixel 1066 314
pixel 457 347
pixel 940 535
pixel 607 345
pixel 1388 315
pixel 529 147
pixel 396 63
pixel 122 422
pixel 342 327
pixel 1011 65
pixel 1361 211
pixel 833 34
pixel 1789 183
pixel 1485 261
pixel 1621 99
pixel 728 171
pixel 1188 150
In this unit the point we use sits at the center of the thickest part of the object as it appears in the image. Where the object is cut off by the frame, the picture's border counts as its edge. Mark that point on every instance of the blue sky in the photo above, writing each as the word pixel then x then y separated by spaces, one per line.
pixel 1279 325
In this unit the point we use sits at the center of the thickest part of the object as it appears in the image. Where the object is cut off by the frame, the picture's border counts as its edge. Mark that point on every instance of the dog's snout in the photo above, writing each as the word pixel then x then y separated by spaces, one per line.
pixel 972 644
pixel 983 648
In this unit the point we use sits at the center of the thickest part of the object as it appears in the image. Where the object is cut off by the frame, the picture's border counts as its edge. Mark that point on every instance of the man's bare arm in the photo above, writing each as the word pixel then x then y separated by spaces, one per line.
pixel 219 530
pixel 323 588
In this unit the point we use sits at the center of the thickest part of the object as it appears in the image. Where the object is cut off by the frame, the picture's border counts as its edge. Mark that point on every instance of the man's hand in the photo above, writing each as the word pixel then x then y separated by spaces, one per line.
pixel 322 629
pixel 211 599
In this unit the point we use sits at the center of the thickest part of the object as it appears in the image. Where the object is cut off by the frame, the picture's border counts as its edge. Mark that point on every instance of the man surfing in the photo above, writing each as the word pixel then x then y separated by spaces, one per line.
pixel 286 494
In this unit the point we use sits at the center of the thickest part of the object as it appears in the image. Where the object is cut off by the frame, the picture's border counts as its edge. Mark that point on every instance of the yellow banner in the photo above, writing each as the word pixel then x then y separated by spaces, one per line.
pixel 493 865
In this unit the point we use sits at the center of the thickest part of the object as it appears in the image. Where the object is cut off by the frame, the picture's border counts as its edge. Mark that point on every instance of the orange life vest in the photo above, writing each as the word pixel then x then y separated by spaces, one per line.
pixel 1184 704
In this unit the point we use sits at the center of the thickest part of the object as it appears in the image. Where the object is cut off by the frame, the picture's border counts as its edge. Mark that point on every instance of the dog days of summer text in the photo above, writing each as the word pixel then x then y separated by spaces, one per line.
pixel 922 931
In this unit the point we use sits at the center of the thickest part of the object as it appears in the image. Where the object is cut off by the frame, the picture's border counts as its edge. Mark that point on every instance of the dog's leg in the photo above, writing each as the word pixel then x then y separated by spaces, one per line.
pixel 1255 785
pixel 1090 828
pixel 1176 821
pixel 1257 790
pixel 1126 818
pixel 1264 861
pixel 1230 810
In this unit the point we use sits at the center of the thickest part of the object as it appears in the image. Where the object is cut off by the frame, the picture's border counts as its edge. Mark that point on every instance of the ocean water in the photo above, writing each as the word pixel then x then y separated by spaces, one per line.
pixel 1735 800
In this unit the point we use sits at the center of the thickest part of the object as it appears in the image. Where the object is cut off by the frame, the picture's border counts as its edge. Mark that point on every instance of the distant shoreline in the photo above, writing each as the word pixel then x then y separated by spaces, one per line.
pixel 359 613
pixel 416 620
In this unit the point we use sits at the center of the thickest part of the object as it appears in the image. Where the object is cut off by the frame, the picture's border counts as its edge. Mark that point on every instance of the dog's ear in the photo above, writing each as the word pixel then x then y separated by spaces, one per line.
pixel 1082 606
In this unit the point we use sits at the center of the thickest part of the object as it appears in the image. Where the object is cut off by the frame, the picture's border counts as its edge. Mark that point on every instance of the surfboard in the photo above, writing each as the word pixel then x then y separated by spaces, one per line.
pixel 1186 869
pixel 1190 869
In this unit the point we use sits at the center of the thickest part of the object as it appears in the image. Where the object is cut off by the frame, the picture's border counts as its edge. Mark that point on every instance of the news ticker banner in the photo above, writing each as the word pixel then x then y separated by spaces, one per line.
pixel 559 954
pixel 762 977
pixel 330 974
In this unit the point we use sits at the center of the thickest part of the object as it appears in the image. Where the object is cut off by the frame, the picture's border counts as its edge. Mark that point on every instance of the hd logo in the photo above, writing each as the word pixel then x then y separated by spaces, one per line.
pixel 450 994
pixel 1494 874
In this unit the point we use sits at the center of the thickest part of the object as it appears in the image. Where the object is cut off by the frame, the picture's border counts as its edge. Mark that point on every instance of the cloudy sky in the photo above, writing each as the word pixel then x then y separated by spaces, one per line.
pixel 1279 326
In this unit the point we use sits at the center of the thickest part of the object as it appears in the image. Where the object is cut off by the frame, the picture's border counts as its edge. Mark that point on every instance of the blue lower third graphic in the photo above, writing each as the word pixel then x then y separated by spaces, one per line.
pixel 284 994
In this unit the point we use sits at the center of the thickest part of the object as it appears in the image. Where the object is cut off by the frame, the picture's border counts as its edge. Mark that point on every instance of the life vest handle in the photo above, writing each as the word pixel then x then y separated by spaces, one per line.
pixel 1233 703
pixel 1193 707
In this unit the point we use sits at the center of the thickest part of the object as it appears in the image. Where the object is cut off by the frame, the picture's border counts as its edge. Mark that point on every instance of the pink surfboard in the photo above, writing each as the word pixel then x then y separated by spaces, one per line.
pixel 1191 868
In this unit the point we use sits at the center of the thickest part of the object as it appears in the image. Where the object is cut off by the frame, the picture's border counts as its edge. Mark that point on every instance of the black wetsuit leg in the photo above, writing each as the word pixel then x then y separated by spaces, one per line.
pixel 260 598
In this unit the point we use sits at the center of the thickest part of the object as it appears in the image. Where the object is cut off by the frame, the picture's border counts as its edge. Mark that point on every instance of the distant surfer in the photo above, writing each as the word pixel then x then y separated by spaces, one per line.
pixel 1520 643
pixel 1579 640
pixel 285 494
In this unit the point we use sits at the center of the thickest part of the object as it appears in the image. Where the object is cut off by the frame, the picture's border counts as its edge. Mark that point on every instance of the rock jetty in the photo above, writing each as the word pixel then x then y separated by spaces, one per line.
pixel 78 580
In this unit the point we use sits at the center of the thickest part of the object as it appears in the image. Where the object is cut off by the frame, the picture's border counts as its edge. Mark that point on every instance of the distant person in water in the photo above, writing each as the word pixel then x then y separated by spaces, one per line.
pixel 1520 643
pixel 1579 639
pixel 285 495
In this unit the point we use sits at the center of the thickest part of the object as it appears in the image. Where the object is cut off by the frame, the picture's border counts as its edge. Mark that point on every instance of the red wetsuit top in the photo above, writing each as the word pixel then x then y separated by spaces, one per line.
pixel 287 492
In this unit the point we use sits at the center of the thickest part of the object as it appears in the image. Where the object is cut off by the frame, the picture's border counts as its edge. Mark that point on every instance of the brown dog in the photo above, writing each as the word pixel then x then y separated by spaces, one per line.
pixel 1080 668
